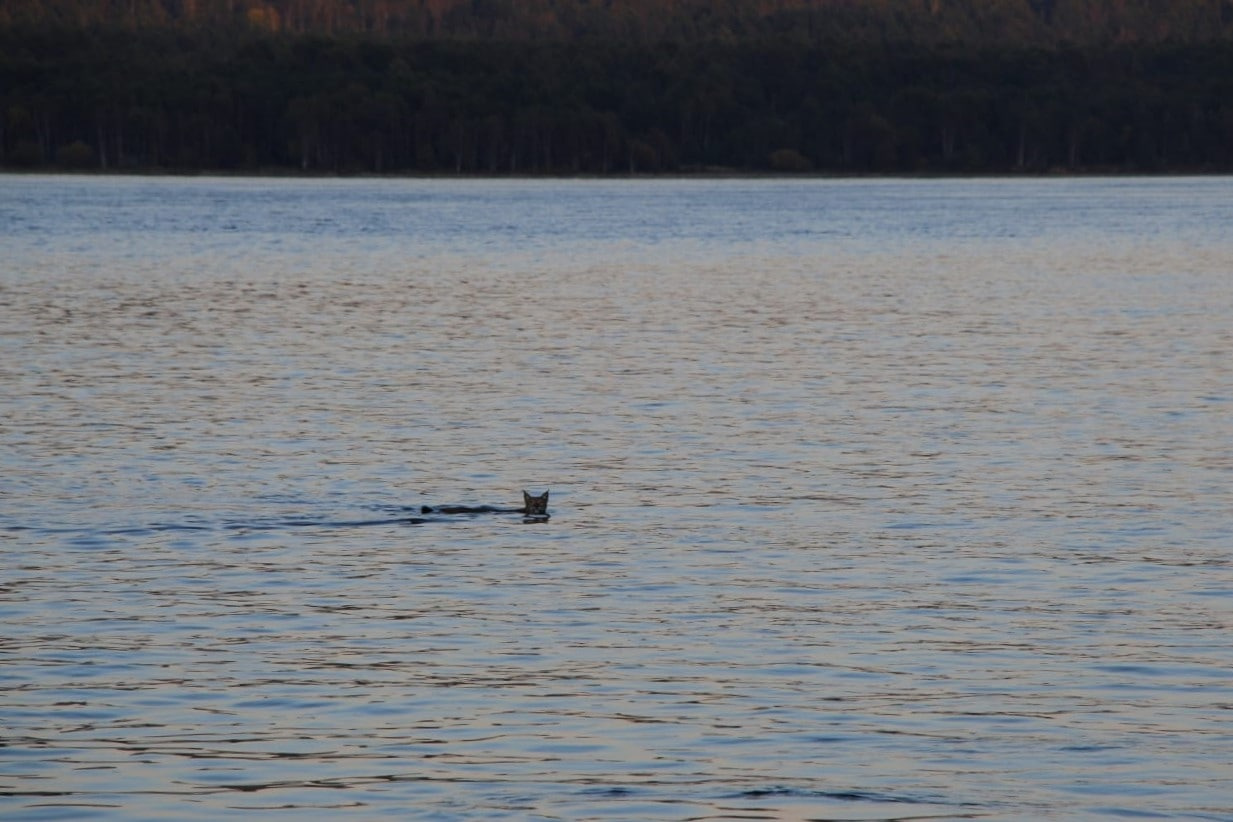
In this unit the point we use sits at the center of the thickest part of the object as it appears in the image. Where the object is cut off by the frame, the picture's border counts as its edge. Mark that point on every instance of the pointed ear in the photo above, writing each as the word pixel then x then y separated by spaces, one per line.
pixel 545 496
pixel 526 498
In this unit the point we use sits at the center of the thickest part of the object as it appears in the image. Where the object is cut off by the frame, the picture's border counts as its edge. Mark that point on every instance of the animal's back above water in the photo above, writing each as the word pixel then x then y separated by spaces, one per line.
pixel 532 507
pixel 468 509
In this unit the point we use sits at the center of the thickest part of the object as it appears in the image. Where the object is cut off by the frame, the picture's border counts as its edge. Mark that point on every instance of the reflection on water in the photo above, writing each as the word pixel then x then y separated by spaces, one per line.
pixel 870 499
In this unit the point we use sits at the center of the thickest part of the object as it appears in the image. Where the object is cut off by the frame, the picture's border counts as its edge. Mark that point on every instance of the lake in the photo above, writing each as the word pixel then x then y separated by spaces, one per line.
pixel 871 499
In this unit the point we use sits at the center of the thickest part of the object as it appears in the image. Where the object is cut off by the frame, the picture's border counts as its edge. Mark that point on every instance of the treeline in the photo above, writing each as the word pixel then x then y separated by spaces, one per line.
pixel 974 22
pixel 245 99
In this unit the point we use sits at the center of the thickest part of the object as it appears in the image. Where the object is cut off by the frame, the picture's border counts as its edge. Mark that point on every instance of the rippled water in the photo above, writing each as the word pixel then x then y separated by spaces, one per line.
pixel 871 499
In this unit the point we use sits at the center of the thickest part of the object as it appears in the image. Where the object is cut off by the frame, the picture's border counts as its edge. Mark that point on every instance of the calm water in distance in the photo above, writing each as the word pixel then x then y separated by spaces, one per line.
pixel 871 499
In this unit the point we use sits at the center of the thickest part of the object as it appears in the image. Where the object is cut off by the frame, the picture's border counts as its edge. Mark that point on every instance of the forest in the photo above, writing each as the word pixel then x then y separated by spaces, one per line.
pixel 617 86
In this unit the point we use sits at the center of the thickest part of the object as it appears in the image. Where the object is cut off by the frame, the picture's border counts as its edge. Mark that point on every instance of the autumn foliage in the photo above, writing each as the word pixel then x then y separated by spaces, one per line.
pixel 618 86
pixel 919 21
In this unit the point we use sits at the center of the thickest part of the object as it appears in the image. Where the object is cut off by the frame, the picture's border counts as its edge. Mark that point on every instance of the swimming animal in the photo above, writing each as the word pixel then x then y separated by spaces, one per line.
pixel 531 507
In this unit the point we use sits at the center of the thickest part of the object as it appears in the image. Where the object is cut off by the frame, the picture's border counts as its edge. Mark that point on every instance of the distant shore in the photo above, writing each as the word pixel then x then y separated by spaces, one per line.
pixel 273 104
pixel 683 174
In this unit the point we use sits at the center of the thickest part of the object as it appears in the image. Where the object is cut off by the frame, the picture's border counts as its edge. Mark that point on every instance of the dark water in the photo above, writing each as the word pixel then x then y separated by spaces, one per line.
pixel 871 500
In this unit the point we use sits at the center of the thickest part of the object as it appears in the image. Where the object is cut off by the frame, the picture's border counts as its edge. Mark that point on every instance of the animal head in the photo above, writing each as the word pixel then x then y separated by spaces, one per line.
pixel 535 506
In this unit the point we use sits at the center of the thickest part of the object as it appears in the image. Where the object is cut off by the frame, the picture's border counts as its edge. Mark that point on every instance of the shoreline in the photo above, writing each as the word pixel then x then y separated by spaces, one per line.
pixel 705 174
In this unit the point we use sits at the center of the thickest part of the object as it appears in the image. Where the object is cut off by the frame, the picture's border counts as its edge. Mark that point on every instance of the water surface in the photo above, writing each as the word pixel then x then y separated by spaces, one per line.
pixel 871 499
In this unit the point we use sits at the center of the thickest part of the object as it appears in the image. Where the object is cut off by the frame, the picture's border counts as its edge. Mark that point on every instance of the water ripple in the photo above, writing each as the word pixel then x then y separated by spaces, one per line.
pixel 871 499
